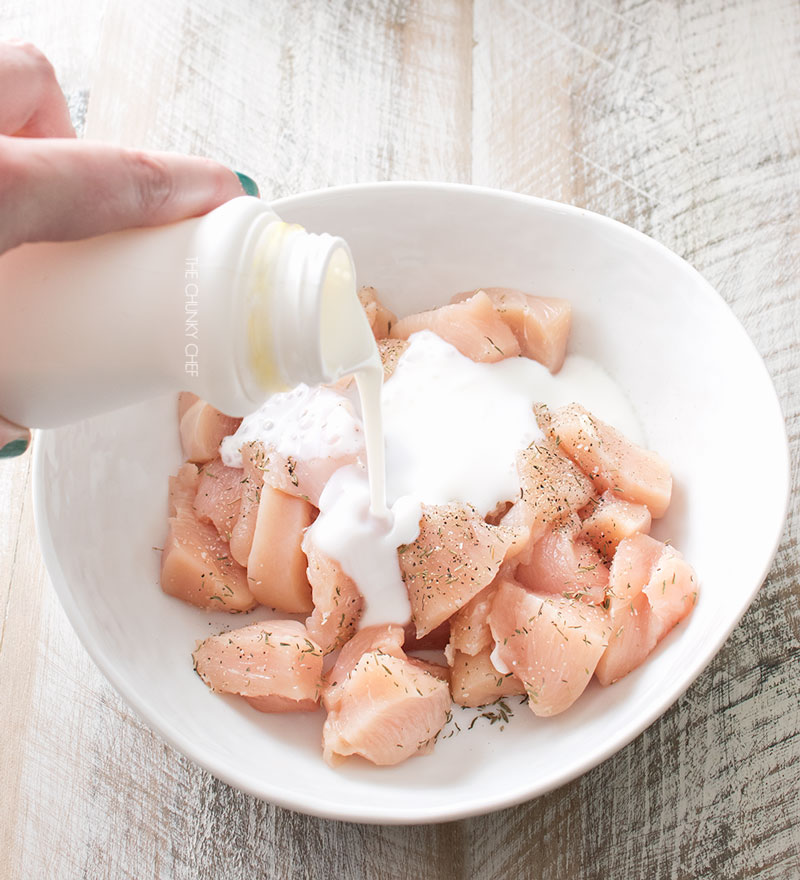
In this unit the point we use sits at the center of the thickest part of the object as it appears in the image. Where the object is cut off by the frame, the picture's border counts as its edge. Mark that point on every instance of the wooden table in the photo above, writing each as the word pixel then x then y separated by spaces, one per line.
pixel 681 119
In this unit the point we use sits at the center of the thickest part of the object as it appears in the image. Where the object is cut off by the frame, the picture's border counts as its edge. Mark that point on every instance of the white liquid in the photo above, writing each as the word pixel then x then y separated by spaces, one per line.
pixel 452 431
pixel 370 382
pixel 306 423
pixel 454 427
pixel 366 545
pixel 497 662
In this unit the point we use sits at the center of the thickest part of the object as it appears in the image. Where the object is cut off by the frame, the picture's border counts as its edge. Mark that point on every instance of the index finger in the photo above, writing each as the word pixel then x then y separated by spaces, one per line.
pixel 61 190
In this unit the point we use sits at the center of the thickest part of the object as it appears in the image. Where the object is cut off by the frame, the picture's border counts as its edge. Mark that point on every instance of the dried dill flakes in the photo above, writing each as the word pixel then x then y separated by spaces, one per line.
pixel 498 712
pixel 502 713
pixel 291 466
pixel 453 725
pixel 495 346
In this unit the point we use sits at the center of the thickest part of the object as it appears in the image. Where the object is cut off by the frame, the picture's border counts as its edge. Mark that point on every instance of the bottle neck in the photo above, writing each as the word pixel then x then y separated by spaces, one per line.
pixel 304 322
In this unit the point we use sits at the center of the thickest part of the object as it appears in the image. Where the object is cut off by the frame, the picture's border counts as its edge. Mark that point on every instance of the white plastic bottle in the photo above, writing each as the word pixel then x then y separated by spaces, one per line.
pixel 233 306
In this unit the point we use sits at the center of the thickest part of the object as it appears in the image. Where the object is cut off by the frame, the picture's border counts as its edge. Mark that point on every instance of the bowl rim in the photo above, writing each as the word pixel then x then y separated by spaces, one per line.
pixel 373 814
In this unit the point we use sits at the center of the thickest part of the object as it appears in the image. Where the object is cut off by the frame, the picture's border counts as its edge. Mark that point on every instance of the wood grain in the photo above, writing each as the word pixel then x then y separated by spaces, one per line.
pixel 681 119
pixel 300 96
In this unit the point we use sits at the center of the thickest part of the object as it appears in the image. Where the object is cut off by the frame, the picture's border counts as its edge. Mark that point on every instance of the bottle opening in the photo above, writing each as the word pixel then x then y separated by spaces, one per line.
pixel 304 320
pixel 346 341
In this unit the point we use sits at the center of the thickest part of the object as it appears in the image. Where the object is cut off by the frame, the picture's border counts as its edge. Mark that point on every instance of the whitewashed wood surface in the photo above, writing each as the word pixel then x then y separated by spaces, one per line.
pixel 679 117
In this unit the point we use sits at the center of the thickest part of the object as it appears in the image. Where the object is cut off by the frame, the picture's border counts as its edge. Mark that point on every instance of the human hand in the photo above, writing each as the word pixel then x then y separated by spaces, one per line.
pixel 54 187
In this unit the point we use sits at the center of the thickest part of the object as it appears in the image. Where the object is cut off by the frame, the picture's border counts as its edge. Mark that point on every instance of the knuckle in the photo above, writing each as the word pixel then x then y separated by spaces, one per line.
pixel 37 60
pixel 153 185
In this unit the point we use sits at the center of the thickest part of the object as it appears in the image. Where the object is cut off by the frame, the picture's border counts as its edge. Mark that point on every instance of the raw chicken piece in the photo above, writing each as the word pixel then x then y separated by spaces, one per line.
pixel 196 564
pixel 202 428
pixel 469 626
pixel 437 670
pixel 612 519
pixel 651 588
pixel 560 563
pixel 304 479
pixel 185 400
pixel 391 350
pixel 183 487
pixel 385 638
pixel 432 641
pixel 611 460
pixel 550 643
pixel 454 557
pixel 219 496
pixel 274 665
pixel 265 469
pixel 540 324
pixel 299 438
pixel 276 565
pixel 299 477
pixel 472 326
pixel 475 682
pixel 386 710
pixel 496 514
pixel 337 601
pixel 379 317
pixel 551 486
pixel 252 483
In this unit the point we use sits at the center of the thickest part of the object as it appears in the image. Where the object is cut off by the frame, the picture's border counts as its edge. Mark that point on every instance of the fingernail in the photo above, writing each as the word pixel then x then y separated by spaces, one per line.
pixel 248 184
pixel 15 447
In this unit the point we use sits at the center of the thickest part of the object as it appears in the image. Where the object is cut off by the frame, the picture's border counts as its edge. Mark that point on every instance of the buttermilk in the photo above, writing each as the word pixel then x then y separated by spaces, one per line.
pixel 441 429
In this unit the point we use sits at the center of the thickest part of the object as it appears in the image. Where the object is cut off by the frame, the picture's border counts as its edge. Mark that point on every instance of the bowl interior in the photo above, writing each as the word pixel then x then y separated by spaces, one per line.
pixel 701 392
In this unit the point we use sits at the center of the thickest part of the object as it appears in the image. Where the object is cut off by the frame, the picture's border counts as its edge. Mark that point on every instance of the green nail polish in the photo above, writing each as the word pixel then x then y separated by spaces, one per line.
pixel 14 448
pixel 248 184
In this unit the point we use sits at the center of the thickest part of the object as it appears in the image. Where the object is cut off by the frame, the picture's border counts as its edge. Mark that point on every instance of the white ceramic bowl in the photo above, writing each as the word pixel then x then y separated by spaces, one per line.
pixel 694 378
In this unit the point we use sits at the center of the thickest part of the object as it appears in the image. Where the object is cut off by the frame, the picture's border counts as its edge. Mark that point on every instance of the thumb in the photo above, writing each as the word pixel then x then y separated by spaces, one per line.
pixel 63 189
